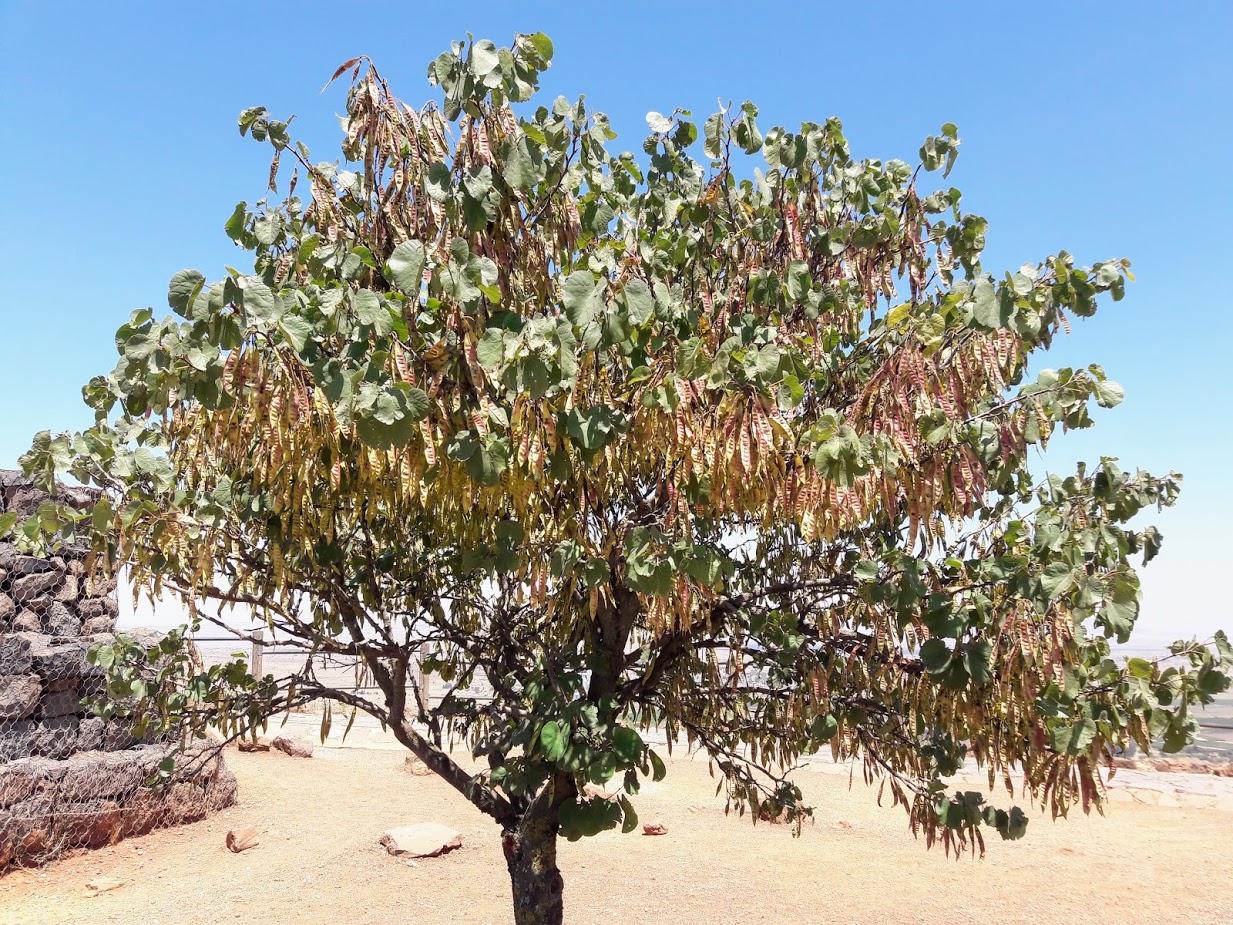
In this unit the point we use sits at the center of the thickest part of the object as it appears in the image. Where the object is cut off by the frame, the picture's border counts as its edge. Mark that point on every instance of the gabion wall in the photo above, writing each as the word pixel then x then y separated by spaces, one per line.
pixel 68 779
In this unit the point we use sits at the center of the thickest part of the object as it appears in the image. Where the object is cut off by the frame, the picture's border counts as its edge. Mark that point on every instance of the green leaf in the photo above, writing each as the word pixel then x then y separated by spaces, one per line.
pixel 485 62
pixel 866 570
pixel 595 572
pixel 713 133
pixel 1223 647
pixel 1109 394
pixel 988 309
pixel 521 168
pixel 745 131
pixel 627 745
pixel 102 655
pixel 629 818
pixel 658 122
pixel 480 199
pixel 978 659
pixel 371 310
pixel 405 268
pixel 1016 826
pixel 552 741
pixel 183 290
pixel 200 357
pixel 1150 541
pixel 267 228
pixel 658 771
pixel 438 182
pixel 588 817
pixel 509 533
pixel 1072 738
pixel 235 224
pixel 935 655
pixel 261 305
pixel 704 566
pixel 824 727
pixel 1057 578
pixel 298 331
pixel 898 314
pixel 762 364
pixel 329 301
pixel 639 303
pixel 564 558
pixel 462 446
pixel 600 770
pixel 390 421
pixel 691 359
pixel 490 351
pixel 542 45
pixel 490 462
pixel 1010 826
pixel 594 428
pixel 581 297
pixel 1107 274
pixel 249 117
pixel 1121 607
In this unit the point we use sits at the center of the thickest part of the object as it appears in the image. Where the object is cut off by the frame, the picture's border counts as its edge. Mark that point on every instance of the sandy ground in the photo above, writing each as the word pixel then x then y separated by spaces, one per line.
pixel 1159 856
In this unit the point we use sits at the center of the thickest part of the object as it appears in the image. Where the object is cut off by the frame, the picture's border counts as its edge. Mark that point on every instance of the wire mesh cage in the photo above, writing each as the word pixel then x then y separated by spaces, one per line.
pixel 68 778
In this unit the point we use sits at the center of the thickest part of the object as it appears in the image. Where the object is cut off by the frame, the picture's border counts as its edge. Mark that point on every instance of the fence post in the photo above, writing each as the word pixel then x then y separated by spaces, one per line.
pixel 419 659
pixel 258 637
pixel 421 679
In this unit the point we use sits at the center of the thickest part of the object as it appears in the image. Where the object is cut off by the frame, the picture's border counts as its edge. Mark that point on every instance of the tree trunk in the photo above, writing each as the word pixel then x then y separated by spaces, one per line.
pixel 531 855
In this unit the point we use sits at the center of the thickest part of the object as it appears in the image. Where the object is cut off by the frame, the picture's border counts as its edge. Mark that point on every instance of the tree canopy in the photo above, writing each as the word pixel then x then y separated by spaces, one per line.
pixel 729 438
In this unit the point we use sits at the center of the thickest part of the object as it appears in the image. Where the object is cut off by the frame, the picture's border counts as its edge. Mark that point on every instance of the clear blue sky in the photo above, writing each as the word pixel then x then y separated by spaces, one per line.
pixel 1102 128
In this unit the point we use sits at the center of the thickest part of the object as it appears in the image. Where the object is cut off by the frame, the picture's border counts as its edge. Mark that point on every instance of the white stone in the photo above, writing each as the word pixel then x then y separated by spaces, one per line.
pixel 423 840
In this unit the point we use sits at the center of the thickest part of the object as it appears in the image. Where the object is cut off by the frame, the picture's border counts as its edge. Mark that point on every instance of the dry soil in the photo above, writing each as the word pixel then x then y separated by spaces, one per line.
pixel 319 821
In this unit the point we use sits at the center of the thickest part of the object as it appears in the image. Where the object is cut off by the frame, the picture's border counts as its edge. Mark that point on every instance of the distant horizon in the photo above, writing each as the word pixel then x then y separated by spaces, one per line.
pixel 170 614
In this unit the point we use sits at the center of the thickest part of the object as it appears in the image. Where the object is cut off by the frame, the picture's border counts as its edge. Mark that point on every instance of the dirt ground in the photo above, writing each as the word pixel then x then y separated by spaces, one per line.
pixel 319 862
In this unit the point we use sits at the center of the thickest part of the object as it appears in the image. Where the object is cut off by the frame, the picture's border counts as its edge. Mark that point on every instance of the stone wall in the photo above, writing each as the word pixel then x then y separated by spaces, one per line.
pixel 67 778
pixel 49 806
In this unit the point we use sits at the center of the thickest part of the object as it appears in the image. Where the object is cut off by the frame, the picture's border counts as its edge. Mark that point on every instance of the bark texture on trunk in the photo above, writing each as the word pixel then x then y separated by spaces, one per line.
pixel 531 855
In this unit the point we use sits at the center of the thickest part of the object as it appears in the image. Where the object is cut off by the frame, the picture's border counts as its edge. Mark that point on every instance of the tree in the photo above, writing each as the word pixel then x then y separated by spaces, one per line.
pixel 641 441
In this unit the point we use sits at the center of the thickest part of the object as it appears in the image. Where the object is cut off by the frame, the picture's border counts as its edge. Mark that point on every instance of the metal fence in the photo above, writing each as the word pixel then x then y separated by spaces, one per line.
pixel 70 778
pixel 266 655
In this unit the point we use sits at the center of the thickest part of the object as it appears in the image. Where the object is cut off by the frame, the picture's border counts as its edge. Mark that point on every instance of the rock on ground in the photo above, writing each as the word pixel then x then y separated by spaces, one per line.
pixel 423 840
pixel 293 746
pixel 241 840
pixel 413 765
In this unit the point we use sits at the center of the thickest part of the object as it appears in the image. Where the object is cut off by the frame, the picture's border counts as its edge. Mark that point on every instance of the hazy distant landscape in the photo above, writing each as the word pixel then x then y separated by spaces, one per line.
pixel 1216 740
pixel 1217 723
pixel 1215 744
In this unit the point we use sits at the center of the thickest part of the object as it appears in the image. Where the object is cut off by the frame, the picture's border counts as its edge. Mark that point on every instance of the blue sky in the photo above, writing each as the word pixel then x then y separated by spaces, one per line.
pixel 1102 128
